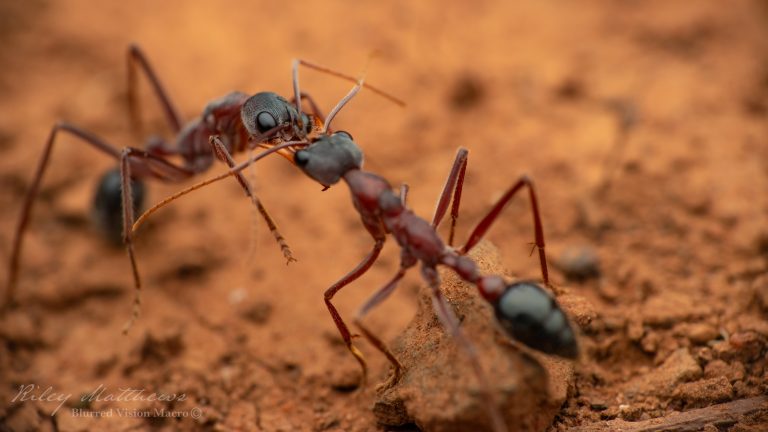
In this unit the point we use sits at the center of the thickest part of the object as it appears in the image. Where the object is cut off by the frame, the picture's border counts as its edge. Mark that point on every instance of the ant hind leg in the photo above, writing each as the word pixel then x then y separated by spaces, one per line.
pixel 482 227
pixel 341 283
pixel 377 298
pixel 452 189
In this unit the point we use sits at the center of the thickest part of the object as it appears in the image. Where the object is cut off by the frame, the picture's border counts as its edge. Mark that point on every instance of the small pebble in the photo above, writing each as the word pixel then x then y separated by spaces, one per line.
pixel 701 333
pixel 704 392
pixel 579 263
pixel 635 330
pixel 468 92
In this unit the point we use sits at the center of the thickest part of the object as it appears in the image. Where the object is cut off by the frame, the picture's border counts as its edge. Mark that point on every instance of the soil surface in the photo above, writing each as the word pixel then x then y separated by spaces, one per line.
pixel 643 124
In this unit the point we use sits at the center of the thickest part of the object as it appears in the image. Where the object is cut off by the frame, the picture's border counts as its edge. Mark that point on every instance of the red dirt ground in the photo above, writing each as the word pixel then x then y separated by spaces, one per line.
pixel 643 124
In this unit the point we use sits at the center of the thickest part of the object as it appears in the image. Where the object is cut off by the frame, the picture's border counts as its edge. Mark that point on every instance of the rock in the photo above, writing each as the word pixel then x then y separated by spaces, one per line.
pixel 698 333
pixel 719 368
pixel 579 263
pixel 679 367
pixel 749 346
pixel 635 330
pixel 578 308
pixel 438 390
pixel 664 310
pixel 704 392
pixel 745 346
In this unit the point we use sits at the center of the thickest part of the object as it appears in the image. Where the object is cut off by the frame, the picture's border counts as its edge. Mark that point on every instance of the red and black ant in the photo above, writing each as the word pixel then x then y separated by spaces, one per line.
pixel 241 122
pixel 524 309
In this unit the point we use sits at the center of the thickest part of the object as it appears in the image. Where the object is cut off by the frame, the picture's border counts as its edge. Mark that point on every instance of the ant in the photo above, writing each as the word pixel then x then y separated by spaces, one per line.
pixel 524 309
pixel 242 123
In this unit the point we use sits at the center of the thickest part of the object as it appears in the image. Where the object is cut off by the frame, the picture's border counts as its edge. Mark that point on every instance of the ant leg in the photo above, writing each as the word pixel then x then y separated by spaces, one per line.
pixel 453 187
pixel 29 198
pixel 482 227
pixel 221 152
pixel 378 297
pixel 26 212
pixel 136 58
pixel 341 283
pixel 232 171
pixel 131 158
pixel 451 323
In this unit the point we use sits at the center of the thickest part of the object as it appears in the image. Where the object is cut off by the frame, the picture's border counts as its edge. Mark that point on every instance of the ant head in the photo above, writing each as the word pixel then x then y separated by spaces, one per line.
pixel 266 110
pixel 328 158
pixel 530 315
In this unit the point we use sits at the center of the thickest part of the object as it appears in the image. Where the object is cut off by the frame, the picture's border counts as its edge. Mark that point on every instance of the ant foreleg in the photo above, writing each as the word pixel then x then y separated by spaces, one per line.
pixel 341 283
pixel 482 227
pixel 378 297
pixel 221 152
pixel 135 158
pixel 447 317
pixel 136 58
pixel 453 187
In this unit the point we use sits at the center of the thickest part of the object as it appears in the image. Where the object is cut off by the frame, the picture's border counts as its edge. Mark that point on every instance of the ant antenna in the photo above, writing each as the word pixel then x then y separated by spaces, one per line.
pixel 337 74
pixel 359 84
pixel 341 104
pixel 296 92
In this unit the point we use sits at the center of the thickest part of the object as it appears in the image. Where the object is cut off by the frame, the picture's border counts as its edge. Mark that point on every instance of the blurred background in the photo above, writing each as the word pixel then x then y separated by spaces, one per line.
pixel 643 125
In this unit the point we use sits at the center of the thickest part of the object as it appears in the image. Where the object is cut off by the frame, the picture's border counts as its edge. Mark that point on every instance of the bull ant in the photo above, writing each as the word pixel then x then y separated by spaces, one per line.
pixel 239 121
pixel 524 309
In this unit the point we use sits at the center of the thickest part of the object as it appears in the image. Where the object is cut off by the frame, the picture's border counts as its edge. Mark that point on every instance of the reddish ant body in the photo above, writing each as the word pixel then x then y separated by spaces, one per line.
pixel 524 309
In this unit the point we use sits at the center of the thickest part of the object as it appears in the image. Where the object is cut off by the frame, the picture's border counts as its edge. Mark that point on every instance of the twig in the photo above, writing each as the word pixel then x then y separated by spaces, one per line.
pixel 719 415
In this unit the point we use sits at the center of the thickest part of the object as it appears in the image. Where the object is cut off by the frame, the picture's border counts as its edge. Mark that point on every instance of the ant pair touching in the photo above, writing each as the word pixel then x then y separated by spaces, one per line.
pixel 524 309
pixel 241 122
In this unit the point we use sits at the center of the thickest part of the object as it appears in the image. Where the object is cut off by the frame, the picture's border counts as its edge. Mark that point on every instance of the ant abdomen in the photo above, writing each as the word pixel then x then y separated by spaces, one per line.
pixel 532 316
pixel 108 204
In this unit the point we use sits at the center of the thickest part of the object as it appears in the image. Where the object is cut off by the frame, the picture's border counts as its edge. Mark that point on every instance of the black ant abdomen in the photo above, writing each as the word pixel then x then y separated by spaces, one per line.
pixel 530 315
pixel 107 207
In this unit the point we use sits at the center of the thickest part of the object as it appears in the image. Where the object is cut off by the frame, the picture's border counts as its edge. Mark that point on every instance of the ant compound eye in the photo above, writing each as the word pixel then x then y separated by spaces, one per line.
pixel 344 134
pixel 301 158
pixel 265 121
pixel 530 315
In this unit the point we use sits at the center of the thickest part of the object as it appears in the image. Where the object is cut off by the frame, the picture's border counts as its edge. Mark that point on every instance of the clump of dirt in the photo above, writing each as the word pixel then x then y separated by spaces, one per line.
pixel 438 390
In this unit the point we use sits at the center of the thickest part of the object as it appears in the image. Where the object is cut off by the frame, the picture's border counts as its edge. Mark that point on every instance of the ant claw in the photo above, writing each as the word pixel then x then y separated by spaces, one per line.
pixel 391 381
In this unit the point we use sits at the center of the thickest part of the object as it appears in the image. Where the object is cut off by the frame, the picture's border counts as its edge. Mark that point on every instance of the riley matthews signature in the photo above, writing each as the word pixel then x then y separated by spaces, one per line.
pixel 34 392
